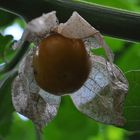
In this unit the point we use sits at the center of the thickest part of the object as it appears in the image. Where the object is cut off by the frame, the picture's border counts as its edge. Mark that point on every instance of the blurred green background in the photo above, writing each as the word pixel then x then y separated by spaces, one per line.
pixel 70 124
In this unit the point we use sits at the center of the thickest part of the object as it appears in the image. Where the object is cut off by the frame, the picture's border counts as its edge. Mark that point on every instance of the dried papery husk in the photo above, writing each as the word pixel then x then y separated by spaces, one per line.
pixel 103 94
pixel 39 27
pixel 27 96
pixel 91 43
pixel 78 27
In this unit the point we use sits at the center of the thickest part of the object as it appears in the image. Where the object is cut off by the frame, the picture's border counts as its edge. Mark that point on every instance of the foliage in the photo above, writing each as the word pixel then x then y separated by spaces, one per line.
pixel 5 48
pixel 132 103
pixel 69 123
pixel 6 107
pixel 6 19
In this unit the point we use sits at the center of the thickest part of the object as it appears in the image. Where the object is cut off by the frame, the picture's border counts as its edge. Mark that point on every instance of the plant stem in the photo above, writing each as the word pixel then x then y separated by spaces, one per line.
pixel 111 22
pixel 16 59
pixel 38 134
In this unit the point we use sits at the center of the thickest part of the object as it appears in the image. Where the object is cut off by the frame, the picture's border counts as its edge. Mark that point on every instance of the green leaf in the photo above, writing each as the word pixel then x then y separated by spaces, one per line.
pixel 21 22
pixel 5 41
pixel 117 3
pixel 21 130
pixel 70 124
pixel 6 19
pixel 114 43
pixel 6 107
pixel 6 51
pixel 130 59
pixel 132 104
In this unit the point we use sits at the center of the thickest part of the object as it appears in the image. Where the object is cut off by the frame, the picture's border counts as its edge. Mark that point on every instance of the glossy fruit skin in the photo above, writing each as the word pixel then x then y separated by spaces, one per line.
pixel 61 65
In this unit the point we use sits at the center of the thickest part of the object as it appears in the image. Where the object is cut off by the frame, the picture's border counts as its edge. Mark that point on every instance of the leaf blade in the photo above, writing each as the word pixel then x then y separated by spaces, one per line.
pixel 6 107
pixel 132 104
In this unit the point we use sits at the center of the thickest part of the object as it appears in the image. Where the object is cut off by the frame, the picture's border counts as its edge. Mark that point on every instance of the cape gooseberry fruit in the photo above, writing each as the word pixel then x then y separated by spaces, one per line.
pixel 61 65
